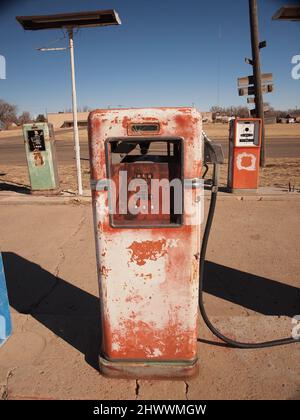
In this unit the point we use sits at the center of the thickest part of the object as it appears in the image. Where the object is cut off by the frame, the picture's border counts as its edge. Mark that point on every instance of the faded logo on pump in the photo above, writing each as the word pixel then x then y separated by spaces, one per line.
pixel 246 161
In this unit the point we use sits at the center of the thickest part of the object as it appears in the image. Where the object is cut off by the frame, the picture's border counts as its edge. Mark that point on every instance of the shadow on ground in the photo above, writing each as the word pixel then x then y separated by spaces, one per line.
pixel 69 312
pixel 268 297
pixel 19 188
pixel 73 314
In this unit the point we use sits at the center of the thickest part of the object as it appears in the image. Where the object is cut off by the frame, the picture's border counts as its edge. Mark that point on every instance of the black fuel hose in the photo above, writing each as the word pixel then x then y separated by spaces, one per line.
pixel 213 329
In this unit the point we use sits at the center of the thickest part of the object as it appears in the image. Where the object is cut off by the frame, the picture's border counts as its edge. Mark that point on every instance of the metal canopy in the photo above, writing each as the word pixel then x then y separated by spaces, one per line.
pixel 70 20
pixel 287 13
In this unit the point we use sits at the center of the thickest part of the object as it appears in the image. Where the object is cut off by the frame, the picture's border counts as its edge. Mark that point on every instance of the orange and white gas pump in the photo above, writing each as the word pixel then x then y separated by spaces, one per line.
pixel 147 243
pixel 244 154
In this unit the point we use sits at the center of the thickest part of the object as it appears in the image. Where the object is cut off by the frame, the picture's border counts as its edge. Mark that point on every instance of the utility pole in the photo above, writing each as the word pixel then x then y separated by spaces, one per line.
pixel 259 103
pixel 75 120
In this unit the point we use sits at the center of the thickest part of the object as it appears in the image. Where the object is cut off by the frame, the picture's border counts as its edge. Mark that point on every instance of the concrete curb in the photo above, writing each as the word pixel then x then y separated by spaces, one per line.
pixel 43 201
pixel 257 197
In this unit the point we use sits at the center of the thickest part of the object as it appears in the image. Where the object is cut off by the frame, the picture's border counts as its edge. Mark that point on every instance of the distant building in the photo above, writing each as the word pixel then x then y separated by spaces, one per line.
pixel 282 120
pixel 224 119
pixel 65 119
pixel 270 119
pixel 207 117
pixel 288 120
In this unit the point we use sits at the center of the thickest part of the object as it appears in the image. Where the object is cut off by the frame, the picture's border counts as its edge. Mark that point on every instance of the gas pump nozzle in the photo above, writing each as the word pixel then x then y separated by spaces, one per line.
pixel 213 152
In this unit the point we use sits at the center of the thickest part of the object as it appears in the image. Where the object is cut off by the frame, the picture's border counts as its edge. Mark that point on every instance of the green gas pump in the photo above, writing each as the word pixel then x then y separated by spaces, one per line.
pixel 41 158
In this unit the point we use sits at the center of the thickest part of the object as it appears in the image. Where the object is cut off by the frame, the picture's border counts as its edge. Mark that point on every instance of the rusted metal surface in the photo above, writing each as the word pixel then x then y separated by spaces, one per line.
pixel 38 159
pixel 150 370
pixel 148 278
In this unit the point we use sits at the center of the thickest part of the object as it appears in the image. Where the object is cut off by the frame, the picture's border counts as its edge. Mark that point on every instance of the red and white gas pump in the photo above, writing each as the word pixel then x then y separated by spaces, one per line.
pixel 244 154
pixel 147 249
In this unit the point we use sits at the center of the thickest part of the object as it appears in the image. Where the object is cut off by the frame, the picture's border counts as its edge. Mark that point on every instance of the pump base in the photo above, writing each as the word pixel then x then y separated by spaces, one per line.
pixel 242 191
pixel 148 370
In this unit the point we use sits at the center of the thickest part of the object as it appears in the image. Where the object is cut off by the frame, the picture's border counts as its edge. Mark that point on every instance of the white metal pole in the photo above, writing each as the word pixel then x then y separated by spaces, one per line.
pixel 75 120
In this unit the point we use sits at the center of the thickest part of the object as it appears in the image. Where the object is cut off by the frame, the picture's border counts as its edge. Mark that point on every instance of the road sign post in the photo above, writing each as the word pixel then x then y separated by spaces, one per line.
pixel 257 74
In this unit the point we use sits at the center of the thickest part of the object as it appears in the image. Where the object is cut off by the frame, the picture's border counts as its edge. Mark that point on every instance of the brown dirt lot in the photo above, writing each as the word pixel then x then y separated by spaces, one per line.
pixel 278 173
pixel 272 130
pixel 214 130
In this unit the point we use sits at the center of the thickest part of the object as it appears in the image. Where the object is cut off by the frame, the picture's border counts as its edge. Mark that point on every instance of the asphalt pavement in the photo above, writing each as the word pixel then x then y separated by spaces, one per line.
pixel 12 149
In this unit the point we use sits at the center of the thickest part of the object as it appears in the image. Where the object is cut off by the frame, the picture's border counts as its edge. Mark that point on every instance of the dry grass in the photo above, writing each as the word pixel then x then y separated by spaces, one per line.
pixel 11 133
pixel 214 130
pixel 278 173
pixel 17 176
pixel 60 133
pixel 220 131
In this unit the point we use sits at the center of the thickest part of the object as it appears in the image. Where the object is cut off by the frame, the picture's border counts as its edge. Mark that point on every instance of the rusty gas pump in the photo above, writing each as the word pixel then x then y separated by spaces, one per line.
pixel 147 248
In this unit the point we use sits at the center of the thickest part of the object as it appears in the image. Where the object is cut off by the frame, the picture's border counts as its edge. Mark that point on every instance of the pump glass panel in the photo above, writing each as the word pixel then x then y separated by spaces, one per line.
pixel 36 140
pixel 147 182
pixel 247 133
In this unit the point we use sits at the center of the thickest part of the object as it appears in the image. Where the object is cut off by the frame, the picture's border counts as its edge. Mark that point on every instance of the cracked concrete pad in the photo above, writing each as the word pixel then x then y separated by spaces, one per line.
pixel 3 392
pixel 37 233
pixel 22 348
pixel 4 371
pixel 65 376
pixel 79 248
pixel 50 252
pixel 223 375
pixel 161 390
pixel 257 238
pixel 28 287
pixel 65 368
pixel 227 373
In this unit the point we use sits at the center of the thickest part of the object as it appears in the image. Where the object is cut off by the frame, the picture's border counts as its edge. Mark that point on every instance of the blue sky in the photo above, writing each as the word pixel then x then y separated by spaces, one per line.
pixel 165 53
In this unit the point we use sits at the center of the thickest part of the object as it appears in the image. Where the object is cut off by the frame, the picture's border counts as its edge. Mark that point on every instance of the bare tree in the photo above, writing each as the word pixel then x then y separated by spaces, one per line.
pixel 8 113
pixel 243 111
pixel 41 118
pixel 24 118
pixel 85 108
pixel 217 109
pixel 231 111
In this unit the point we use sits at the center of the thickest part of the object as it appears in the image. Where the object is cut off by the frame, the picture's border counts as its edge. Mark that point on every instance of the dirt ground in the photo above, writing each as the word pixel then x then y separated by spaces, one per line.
pixel 272 130
pixel 214 130
pixel 278 173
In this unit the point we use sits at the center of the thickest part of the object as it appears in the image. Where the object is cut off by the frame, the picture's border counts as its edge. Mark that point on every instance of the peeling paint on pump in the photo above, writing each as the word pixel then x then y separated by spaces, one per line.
pixel 148 278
